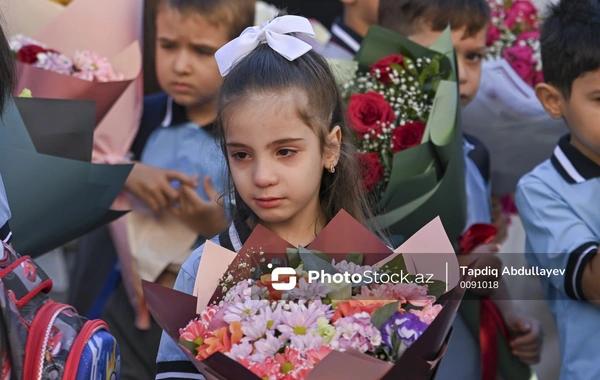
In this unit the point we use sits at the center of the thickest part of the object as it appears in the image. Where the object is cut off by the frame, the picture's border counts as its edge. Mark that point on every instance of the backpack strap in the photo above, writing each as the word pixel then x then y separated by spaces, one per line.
pixel 22 277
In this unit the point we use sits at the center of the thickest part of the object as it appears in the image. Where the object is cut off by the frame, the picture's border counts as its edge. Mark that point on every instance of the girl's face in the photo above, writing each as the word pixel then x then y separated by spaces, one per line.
pixel 276 160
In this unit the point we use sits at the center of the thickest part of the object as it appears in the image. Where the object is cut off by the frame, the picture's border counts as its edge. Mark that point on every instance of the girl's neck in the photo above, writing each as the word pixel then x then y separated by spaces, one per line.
pixel 203 113
pixel 298 232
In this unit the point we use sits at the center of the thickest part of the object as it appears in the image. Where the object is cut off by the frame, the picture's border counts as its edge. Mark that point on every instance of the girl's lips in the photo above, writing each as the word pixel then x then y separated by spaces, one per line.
pixel 268 202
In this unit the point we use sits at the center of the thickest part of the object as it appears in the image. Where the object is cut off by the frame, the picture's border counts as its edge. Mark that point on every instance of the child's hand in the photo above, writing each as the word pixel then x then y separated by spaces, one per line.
pixel 527 344
pixel 153 185
pixel 207 218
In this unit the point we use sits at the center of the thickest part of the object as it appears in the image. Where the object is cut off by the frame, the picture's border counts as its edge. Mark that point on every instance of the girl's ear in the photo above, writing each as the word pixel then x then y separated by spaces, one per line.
pixel 551 98
pixel 334 145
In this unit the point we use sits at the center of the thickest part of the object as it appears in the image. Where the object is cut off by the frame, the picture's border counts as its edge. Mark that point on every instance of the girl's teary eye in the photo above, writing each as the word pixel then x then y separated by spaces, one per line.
pixel 285 152
pixel 239 155
pixel 475 57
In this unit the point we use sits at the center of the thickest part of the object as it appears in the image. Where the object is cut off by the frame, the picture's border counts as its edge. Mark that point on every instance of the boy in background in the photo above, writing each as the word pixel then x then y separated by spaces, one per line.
pixel 179 170
pixel 348 31
pixel 556 200
pixel 423 21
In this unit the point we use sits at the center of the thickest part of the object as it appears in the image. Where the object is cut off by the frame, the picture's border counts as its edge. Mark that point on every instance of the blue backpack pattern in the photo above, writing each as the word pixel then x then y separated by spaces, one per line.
pixel 43 339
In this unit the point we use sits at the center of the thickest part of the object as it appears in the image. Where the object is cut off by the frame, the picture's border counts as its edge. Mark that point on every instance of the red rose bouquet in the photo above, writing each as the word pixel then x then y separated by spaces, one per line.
pixel 514 36
pixel 388 108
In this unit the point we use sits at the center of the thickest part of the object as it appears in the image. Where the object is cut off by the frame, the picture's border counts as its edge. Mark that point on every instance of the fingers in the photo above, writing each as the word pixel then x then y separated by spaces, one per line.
pixel 528 357
pixel 209 189
pixel 184 179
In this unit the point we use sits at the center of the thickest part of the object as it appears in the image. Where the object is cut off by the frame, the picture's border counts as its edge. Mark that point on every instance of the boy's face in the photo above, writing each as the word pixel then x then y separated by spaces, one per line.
pixel 581 111
pixel 185 65
pixel 469 54
pixel 367 10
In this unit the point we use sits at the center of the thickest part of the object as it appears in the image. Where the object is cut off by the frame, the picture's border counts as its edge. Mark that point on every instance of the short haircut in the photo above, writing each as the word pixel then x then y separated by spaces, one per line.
pixel 570 42
pixel 7 70
pixel 236 14
pixel 406 16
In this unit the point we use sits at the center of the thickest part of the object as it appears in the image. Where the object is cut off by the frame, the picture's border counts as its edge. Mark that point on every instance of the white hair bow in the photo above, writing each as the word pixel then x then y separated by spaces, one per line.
pixel 274 33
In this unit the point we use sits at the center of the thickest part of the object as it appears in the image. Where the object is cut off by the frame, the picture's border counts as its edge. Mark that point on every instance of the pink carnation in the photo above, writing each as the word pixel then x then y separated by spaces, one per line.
pixel 493 35
pixel 428 314
pixel 521 60
pixel 194 330
pixel 411 293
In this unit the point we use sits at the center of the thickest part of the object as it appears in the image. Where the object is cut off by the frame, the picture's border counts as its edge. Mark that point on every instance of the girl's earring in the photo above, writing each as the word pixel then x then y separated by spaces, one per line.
pixel 332 169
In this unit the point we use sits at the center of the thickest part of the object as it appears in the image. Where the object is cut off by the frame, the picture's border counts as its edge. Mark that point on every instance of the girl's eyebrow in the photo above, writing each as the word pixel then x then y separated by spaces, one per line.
pixel 272 143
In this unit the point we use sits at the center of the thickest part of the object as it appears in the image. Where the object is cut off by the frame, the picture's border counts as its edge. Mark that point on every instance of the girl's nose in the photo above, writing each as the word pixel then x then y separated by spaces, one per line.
pixel 265 174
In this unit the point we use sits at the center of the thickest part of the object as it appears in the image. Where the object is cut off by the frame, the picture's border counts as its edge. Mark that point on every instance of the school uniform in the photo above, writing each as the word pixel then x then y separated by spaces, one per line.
pixel 463 356
pixel 557 204
pixel 167 139
pixel 344 42
pixel 171 362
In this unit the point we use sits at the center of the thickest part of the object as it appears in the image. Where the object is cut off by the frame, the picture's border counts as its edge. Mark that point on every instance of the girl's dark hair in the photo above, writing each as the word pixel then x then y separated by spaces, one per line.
pixel 8 79
pixel 264 72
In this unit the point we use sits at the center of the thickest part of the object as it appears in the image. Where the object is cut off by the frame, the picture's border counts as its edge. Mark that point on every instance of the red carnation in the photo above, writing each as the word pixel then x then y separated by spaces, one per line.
pixel 370 169
pixel 407 136
pixel 28 54
pixel 367 111
pixel 384 66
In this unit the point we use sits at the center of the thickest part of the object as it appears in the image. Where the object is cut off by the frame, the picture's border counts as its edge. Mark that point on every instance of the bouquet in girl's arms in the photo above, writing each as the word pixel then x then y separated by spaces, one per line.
pixel 285 313
pixel 514 36
pixel 403 106
pixel 86 65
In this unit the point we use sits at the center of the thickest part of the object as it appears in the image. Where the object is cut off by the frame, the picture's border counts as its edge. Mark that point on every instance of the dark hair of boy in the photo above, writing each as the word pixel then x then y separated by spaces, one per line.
pixel 405 16
pixel 266 71
pixel 8 79
pixel 570 42
pixel 238 14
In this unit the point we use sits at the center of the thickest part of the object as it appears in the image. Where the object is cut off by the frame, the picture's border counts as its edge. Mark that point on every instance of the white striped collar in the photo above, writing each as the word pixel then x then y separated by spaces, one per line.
pixel 573 165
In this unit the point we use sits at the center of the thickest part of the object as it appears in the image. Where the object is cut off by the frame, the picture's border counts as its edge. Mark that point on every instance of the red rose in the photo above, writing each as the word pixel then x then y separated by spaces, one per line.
pixel 28 54
pixel 476 235
pixel 521 60
pixel 370 169
pixel 384 67
pixel 367 111
pixel 407 136
pixel 521 11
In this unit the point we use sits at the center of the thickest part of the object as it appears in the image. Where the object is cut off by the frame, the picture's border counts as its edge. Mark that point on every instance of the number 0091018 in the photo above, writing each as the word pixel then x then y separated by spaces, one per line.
pixel 479 284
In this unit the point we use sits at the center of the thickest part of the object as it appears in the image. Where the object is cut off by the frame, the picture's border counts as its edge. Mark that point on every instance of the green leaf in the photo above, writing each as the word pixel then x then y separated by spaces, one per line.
pixel 311 261
pixel 191 346
pixel 383 314
pixel 356 258
pixel 293 257
pixel 319 254
pixel 396 265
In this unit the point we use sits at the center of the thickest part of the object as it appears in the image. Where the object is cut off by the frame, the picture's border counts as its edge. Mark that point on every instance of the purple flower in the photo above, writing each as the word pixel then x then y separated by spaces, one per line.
pixel 407 327
pixel 355 332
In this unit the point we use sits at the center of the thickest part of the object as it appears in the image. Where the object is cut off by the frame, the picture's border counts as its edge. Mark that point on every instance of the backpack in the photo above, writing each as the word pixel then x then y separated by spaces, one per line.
pixel 43 339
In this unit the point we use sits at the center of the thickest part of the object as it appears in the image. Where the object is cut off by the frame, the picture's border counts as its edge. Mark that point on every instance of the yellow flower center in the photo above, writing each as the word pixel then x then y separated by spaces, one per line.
pixel 287 367
pixel 299 330
pixel 199 341
pixel 270 323
pixel 247 311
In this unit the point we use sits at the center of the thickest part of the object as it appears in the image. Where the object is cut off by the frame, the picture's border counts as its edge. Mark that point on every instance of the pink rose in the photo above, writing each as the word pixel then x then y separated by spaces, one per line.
pixel 529 35
pixel 493 35
pixel 521 60
pixel 367 111
pixel 521 11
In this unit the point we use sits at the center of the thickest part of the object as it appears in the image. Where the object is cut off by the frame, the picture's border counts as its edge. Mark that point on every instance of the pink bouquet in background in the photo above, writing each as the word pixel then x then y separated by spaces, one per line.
pixel 514 35
pixel 86 65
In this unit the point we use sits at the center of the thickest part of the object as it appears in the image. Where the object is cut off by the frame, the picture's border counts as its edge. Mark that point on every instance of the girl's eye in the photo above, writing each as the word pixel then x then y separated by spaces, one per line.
pixel 239 155
pixel 285 152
